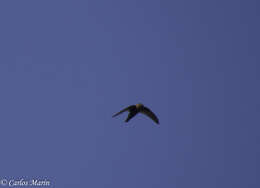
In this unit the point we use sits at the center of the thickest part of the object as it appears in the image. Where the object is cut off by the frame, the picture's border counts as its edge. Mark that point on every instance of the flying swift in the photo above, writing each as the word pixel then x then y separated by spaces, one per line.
pixel 138 108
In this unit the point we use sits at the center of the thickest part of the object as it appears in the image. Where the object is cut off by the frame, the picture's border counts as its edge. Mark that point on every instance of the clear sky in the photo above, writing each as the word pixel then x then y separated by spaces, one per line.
pixel 67 66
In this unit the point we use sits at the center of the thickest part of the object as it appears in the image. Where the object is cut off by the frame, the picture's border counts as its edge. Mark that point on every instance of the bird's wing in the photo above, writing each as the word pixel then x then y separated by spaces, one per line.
pixel 150 114
pixel 126 109
pixel 130 116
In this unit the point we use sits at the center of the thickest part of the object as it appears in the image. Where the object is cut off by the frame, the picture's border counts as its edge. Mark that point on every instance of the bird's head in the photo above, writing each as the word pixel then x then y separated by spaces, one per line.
pixel 139 105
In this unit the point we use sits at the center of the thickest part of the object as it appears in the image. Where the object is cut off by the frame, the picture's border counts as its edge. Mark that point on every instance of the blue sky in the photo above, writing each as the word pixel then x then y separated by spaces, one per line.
pixel 67 66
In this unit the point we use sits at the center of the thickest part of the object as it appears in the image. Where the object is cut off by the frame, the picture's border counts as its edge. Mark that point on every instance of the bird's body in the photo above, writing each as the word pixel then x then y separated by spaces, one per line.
pixel 138 108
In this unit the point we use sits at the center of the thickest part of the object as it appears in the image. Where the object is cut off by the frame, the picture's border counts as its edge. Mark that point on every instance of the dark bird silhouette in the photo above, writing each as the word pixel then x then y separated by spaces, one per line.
pixel 135 109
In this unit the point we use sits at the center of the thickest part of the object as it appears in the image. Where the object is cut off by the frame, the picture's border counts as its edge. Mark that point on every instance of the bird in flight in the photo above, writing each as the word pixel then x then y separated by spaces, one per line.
pixel 135 109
